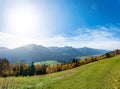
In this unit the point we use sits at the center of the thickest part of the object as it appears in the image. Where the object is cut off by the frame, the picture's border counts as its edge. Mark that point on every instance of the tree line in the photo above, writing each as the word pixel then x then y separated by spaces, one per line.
pixel 22 69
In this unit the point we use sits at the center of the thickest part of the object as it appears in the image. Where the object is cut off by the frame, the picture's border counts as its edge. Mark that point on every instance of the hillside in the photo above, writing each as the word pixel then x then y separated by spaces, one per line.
pixel 103 74
pixel 38 53
pixel 49 62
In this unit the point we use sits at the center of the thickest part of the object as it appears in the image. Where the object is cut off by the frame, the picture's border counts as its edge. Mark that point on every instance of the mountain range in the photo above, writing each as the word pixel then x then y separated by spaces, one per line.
pixel 37 53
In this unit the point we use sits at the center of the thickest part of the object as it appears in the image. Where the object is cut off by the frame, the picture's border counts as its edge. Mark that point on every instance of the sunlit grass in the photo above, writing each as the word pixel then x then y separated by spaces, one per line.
pixel 103 74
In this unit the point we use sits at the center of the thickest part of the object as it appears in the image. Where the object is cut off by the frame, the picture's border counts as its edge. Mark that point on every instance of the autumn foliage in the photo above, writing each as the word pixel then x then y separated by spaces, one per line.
pixel 22 69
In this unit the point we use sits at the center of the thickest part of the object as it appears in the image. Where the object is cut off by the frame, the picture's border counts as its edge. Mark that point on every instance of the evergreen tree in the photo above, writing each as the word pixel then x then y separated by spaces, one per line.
pixel 21 71
pixel 32 69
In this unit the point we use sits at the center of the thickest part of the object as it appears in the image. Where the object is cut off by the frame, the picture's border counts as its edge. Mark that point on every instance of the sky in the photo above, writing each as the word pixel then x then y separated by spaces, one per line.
pixel 77 23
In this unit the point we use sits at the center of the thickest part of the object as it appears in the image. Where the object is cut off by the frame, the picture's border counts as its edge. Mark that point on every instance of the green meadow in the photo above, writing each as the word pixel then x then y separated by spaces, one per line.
pixel 103 74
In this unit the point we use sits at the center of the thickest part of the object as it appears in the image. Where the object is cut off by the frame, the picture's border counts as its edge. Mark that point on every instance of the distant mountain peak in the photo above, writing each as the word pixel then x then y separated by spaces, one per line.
pixel 87 48
pixel 29 45
pixel 34 45
pixel 33 52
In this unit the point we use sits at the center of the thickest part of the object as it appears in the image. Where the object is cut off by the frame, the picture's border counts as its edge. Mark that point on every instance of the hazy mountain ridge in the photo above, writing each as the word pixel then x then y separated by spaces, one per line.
pixel 38 53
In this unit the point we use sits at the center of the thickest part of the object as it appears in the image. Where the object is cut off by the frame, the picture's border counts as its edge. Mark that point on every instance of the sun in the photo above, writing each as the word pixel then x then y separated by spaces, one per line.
pixel 21 20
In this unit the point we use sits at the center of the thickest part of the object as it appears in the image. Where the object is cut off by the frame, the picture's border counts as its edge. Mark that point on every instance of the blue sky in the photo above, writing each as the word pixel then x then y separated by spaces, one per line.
pixel 77 23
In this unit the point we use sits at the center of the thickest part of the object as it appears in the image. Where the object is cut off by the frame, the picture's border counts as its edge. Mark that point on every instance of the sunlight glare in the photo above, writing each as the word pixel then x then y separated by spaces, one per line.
pixel 22 20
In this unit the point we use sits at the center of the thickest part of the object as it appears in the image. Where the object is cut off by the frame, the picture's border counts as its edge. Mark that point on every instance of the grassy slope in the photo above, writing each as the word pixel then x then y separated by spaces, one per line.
pixel 104 74
pixel 49 62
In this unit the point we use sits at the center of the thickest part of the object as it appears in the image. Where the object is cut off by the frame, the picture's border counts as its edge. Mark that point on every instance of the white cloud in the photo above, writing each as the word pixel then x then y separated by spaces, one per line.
pixel 101 37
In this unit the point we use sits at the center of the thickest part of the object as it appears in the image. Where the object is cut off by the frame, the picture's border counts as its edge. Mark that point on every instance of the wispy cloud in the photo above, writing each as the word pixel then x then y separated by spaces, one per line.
pixel 100 37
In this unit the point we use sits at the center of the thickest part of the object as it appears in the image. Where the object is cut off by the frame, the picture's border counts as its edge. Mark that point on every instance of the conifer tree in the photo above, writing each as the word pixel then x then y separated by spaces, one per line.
pixel 32 69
